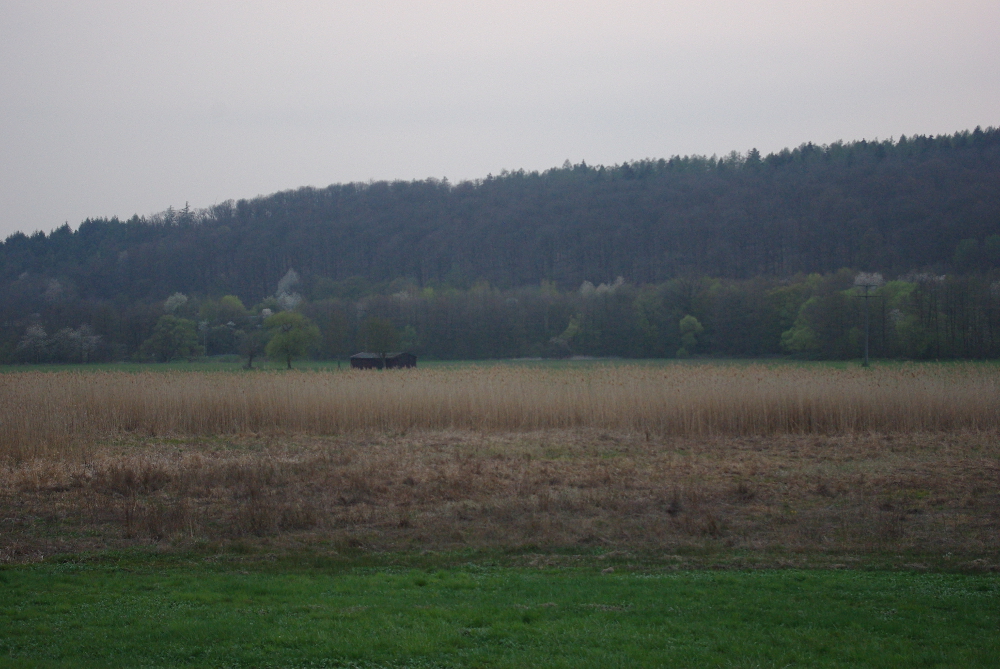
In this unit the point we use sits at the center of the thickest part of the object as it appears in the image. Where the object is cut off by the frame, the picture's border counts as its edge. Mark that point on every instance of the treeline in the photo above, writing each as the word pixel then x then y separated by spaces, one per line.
pixel 525 263
pixel 815 316
pixel 929 204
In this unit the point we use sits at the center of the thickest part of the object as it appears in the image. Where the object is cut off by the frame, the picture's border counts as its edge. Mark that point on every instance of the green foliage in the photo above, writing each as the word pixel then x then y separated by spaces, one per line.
pixel 292 334
pixel 230 309
pixel 409 340
pixel 251 343
pixel 967 255
pixel 607 321
pixel 800 338
pixel 689 328
pixel 819 316
pixel 173 337
pixel 827 323
pixel 352 288
pixel 343 612
pixel 378 335
pixel 991 251
pixel 884 206
pixel 332 317
pixel 749 245
pixel 971 256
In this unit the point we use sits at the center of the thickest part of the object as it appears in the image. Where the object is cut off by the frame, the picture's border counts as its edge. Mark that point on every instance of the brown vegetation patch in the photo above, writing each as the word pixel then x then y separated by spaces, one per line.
pixel 57 415
pixel 923 492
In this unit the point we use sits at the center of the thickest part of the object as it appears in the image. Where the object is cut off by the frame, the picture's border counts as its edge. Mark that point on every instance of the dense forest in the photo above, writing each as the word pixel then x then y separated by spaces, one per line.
pixel 739 256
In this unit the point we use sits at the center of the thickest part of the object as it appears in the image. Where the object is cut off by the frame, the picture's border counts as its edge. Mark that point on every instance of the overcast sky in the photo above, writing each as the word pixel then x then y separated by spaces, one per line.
pixel 119 107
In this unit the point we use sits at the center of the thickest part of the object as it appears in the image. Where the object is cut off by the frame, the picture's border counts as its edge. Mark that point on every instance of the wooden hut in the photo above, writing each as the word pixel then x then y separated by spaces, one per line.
pixel 366 361
pixel 396 360
pixel 400 360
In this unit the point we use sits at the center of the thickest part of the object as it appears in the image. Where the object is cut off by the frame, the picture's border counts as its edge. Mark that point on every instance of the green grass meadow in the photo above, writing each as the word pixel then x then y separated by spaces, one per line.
pixel 462 611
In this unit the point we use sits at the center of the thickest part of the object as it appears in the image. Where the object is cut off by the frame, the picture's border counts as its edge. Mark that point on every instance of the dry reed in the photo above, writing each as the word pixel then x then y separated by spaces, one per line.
pixel 48 414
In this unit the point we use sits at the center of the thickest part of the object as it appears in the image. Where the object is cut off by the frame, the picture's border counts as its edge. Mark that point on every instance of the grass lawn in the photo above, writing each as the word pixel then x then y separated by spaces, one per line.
pixel 453 610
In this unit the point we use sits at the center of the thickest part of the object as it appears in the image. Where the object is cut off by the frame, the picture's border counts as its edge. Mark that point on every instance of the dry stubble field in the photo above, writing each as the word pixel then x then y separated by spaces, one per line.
pixel 781 460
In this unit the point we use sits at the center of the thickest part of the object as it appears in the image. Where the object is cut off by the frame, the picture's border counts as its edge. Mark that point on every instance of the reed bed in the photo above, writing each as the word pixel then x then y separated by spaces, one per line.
pixel 42 414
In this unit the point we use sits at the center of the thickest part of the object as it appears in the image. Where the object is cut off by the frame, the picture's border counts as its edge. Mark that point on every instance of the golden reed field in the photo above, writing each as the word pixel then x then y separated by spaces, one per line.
pixel 53 414
pixel 804 459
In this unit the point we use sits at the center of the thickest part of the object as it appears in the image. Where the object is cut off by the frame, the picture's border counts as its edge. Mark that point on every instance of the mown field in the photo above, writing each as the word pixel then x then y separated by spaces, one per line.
pixel 522 482
pixel 467 611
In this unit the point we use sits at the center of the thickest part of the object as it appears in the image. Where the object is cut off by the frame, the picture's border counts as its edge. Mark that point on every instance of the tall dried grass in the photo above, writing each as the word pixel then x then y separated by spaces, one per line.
pixel 840 494
pixel 44 414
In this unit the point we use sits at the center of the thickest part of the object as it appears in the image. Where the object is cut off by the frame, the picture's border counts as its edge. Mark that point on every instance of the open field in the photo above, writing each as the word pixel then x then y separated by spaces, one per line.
pixel 502 516
pixel 918 494
pixel 334 610
pixel 56 415
pixel 722 458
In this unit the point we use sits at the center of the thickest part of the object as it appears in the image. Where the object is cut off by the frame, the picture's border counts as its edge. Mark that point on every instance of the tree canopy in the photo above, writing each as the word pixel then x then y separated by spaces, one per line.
pixel 291 336
pixel 759 251
pixel 173 337
pixel 895 206
pixel 379 335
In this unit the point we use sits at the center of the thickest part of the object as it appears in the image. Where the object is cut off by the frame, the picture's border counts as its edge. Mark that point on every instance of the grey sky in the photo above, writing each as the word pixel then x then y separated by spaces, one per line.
pixel 121 107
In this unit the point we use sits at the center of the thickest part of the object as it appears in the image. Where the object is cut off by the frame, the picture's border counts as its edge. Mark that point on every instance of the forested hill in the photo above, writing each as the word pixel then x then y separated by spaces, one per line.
pixel 889 206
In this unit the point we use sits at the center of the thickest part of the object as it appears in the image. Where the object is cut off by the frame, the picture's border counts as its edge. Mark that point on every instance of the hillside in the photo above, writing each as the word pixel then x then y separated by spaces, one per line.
pixel 893 207
pixel 756 255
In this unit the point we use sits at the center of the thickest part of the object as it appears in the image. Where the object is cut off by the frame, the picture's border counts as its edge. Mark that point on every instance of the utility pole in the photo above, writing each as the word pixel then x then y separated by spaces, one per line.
pixel 868 281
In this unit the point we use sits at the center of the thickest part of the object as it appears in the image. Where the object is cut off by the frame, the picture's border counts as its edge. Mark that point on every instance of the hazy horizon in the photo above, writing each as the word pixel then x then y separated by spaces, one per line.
pixel 116 108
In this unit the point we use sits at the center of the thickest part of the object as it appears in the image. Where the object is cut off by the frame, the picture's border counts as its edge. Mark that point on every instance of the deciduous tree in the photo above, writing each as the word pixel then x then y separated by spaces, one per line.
pixel 291 336
pixel 173 337
pixel 379 335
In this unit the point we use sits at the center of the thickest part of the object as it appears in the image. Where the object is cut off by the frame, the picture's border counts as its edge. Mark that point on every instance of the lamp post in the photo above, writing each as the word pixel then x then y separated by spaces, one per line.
pixel 868 281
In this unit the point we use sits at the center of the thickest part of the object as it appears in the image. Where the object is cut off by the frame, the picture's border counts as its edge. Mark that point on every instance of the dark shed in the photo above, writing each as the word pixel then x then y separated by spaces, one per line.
pixel 366 361
pixel 374 360
pixel 400 360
